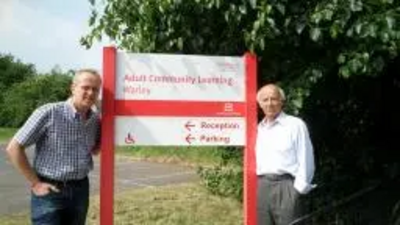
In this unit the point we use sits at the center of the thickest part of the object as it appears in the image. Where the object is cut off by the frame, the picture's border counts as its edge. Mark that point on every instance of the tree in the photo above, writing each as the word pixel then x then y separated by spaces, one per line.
pixel 13 71
pixel 299 42
pixel 335 58
pixel 23 98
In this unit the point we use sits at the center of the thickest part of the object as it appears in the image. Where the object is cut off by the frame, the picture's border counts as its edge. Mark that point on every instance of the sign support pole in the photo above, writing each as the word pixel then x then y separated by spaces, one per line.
pixel 107 137
pixel 249 161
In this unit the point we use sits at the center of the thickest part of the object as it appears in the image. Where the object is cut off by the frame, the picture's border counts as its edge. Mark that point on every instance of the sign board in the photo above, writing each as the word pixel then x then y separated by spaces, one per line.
pixel 177 100
pixel 179 77
pixel 182 131
pixel 180 86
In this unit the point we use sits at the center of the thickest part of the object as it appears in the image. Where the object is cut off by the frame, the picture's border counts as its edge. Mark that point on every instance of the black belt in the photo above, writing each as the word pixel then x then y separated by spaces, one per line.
pixel 61 184
pixel 277 177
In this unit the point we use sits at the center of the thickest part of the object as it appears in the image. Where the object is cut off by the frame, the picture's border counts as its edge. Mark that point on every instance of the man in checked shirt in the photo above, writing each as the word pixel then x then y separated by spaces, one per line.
pixel 65 135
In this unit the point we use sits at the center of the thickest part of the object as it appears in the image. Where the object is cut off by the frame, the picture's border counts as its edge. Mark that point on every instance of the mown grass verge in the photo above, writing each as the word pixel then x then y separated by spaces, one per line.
pixel 191 156
pixel 180 204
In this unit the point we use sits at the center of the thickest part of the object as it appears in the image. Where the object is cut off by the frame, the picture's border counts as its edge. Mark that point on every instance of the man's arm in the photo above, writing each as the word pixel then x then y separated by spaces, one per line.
pixel 30 132
pixel 305 159
pixel 96 148
pixel 27 135
pixel 17 156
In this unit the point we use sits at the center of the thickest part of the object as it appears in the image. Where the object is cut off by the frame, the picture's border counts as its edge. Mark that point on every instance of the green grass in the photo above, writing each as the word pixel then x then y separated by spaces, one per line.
pixel 194 156
pixel 6 134
pixel 181 204
pixel 15 219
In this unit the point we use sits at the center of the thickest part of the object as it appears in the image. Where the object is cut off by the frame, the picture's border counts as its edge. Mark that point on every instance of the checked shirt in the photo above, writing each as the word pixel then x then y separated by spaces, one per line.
pixel 63 141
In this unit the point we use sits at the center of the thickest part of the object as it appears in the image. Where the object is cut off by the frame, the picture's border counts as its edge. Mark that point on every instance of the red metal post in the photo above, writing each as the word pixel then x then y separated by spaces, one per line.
pixel 249 166
pixel 107 138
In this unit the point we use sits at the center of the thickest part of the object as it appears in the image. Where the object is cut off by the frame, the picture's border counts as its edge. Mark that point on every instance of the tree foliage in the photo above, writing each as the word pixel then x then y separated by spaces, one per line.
pixel 23 98
pixel 22 89
pixel 336 59
pixel 13 71
pixel 298 42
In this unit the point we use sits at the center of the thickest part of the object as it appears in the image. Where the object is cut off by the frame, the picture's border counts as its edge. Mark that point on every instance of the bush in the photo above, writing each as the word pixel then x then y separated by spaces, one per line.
pixel 23 98
pixel 225 179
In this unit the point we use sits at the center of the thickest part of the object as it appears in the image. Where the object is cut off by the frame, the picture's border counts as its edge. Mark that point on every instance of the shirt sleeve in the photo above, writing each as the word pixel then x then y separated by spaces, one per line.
pixel 33 128
pixel 305 159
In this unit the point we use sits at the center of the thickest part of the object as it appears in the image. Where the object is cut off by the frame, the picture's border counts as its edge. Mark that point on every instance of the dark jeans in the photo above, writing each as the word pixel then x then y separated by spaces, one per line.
pixel 67 207
pixel 278 203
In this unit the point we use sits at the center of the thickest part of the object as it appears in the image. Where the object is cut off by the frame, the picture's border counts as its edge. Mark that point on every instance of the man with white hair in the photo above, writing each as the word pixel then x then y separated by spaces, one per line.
pixel 65 135
pixel 285 160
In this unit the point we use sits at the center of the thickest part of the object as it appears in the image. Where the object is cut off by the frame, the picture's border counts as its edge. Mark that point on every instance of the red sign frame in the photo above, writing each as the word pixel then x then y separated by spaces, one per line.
pixel 112 108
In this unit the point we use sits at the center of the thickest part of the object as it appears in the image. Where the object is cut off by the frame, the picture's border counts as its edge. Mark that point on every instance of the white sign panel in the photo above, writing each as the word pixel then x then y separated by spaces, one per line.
pixel 179 77
pixel 183 131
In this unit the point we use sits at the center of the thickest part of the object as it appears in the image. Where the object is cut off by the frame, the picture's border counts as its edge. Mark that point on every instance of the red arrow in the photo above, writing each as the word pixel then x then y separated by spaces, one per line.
pixel 129 139
pixel 189 138
pixel 188 125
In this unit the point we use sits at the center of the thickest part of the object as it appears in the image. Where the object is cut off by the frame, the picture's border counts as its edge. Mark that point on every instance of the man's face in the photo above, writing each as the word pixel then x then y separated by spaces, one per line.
pixel 85 91
pixel 270 101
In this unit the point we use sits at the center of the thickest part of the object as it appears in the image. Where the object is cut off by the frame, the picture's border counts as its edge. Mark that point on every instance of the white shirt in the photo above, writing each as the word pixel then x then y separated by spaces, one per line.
pixel 284 146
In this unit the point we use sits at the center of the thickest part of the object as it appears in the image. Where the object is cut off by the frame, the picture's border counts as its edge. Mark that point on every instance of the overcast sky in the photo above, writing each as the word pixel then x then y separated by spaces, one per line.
pixel 47 32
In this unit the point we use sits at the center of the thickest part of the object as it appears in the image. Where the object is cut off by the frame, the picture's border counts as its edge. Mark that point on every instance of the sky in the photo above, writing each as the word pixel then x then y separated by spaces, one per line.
pixel 46 33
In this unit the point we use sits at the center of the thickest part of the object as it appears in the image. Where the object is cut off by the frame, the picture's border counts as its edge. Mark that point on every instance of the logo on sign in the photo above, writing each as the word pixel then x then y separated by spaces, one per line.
pixel 228 107
pixel 129 139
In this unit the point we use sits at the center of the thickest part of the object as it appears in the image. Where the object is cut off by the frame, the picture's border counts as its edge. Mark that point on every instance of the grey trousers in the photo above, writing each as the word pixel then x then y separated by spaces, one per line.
pixel 278 203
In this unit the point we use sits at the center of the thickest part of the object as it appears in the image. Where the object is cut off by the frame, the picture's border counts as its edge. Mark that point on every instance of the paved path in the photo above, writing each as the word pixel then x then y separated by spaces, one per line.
pixel 14 190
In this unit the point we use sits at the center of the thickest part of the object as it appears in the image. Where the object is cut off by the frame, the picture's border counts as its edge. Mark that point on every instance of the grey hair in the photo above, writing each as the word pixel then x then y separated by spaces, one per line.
pixel 282 94
pixel 280 90
pixel 78 73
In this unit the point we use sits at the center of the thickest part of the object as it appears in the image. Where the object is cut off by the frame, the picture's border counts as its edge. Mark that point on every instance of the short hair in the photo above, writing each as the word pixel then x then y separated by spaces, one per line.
pixel 280 91
pixel 78 73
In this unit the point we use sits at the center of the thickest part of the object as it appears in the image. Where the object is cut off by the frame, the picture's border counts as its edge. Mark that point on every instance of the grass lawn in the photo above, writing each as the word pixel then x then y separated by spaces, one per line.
pixel 6 134
pixel 194 156
pixel 181 204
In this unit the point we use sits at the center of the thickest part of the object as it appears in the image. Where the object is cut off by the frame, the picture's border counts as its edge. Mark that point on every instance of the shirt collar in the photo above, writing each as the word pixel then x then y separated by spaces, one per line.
pixel 74 114
pixel 278 119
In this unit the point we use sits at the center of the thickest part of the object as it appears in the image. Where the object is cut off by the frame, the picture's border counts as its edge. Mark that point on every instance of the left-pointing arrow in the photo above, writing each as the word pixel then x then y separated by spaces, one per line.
pixel 189 138
pixel 189 125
